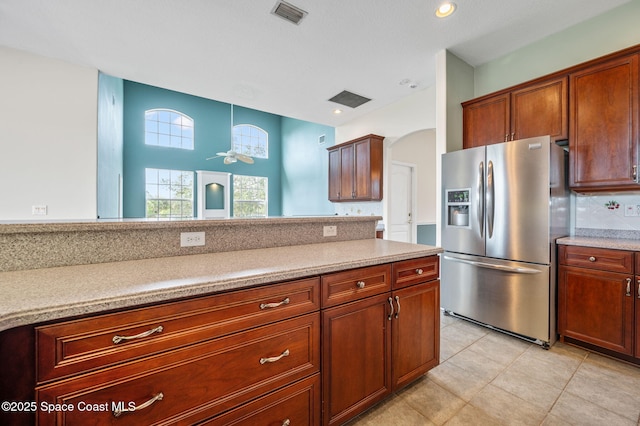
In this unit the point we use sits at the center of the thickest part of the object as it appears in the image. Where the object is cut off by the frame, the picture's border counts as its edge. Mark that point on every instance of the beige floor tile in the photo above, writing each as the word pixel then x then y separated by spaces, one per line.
pixel 461 383
pixel 476 363
pixel 506 407
pixel 500 348
pixel 577 411
pixel 432 401
pixel 528 388
pixel 552 420
pixel 470 415
pixel 552 369
pixel 394 411
pixel 607 388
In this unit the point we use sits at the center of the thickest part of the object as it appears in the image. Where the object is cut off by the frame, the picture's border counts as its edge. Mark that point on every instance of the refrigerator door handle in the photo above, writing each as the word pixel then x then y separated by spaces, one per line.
pixel 490 199
pixel 480 198
pixel 493 266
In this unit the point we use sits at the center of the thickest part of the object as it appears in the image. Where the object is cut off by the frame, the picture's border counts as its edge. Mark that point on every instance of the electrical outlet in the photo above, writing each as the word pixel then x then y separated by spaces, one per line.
pixel 39 210
pixel 632 210
pixel 329 231
pixel 191 239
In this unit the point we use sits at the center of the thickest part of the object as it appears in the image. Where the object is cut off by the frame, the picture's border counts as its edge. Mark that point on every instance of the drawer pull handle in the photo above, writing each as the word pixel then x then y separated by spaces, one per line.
pixel 275 358
pixel 398 303
pixel 119 411
pixel 360 284
pixel 390 304
pixel 628 287
pixel 117 339
pixel 592 259
pixel 419 271
pixel 286 422
pixel 274 305
pixel 638 289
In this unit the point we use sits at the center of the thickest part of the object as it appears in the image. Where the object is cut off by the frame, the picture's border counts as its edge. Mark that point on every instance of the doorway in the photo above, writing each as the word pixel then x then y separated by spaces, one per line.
pixel 402 224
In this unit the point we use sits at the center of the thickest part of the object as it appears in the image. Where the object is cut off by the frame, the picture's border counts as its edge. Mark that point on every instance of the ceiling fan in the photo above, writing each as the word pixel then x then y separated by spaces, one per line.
pixel 232 156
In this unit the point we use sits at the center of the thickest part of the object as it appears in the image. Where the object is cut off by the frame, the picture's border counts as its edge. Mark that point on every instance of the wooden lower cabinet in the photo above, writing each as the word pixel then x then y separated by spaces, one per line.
pixel 193 383
pixel 375 345
pixel 316 350
pixel 297 404
pixel 597 297
pixel 416 332
pixel 356 357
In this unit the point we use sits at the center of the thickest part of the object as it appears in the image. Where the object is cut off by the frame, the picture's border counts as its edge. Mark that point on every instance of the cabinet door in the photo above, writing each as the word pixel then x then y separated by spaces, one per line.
pixel 637 326
pixel 416 332
pixel 356 357
pixel 540 110
pixel 486 122
pixel 603 113
pixel 362 174
pixel 346 172
pixel 335 174
pixel 596 307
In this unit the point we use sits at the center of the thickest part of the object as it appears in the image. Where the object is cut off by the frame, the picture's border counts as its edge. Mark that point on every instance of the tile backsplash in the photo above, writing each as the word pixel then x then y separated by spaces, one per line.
pixel 610 214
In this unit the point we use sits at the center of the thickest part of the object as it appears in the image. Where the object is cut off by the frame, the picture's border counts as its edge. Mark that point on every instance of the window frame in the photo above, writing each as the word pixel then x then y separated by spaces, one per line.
pixel 264 202
pixel 170 188
pixel 250 149
pixel 171 127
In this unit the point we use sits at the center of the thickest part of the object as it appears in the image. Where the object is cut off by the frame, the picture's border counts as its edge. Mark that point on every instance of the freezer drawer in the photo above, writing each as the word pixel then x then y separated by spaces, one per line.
pixel 513 296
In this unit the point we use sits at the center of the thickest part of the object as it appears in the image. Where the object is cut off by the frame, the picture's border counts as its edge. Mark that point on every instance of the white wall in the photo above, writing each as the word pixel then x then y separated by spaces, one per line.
pixel 48 125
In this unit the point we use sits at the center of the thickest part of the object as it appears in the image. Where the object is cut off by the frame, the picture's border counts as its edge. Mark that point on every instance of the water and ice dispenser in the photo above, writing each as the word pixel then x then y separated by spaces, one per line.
pixel 458 207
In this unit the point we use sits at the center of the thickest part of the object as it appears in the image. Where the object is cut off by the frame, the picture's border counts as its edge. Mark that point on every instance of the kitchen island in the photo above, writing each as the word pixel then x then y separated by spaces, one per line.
pixel 141 339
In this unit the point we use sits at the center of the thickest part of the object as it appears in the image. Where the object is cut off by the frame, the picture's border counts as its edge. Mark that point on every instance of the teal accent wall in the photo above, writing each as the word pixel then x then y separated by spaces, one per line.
pixel 110 146
pixel 426 234
pixel 305 168
pixel 212 131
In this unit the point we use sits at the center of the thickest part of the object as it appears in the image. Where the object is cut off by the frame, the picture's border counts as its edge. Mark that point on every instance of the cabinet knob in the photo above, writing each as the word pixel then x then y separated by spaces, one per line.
pixel 419 271
pixel 592 259
pixel 360 284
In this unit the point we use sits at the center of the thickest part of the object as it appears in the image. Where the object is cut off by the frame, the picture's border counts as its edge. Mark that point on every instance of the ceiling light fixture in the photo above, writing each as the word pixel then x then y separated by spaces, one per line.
pixel 337 111
pixel 445 9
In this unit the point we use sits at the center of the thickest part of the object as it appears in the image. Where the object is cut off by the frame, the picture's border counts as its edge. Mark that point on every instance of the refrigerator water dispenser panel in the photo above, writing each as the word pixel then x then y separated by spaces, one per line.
pixel 458 207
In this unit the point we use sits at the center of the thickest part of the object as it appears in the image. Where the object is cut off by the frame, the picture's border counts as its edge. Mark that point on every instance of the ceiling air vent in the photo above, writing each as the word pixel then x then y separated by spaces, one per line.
pixel 349 99
pixel 288 11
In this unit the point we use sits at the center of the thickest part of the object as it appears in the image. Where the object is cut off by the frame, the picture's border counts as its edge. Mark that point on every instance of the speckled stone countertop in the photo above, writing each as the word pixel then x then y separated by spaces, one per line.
pixel 610 243
pixel 38 295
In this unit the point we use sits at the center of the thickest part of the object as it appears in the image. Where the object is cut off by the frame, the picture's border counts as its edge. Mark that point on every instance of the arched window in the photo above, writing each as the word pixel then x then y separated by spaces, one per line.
pixel 250 140
pixel 165 127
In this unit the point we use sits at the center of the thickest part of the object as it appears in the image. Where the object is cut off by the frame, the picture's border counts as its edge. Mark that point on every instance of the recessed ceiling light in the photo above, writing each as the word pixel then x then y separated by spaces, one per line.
pixel 337 111
pixel 445 9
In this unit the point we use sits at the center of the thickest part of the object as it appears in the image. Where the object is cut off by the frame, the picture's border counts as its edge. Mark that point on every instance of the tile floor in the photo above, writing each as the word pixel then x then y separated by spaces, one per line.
pixel 488 378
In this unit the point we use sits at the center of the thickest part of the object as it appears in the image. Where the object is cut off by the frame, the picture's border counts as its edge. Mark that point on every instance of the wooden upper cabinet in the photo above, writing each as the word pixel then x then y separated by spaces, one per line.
pixel 539 110
pixel 355 170
pixel 486 122
pixel 603 113
pixel 526 111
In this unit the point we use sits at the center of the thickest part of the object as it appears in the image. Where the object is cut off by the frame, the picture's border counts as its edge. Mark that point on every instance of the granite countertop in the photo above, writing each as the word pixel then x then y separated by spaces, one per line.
pixel 38 295
pixel 601 242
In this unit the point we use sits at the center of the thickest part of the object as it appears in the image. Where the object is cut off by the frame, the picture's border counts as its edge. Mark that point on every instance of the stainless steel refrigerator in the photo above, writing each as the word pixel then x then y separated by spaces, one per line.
pixel 503 207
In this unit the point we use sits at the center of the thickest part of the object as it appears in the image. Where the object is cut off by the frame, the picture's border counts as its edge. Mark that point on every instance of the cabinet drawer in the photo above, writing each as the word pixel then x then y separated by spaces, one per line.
pixel 355 284
pixel 82 345
pixel 414 271
pixel 196 382
pixel 297 404
pixel 596 258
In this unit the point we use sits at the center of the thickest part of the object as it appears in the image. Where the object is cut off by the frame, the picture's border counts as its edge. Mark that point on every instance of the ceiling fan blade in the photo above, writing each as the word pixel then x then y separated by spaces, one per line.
pixel 215 156
pixel 244 158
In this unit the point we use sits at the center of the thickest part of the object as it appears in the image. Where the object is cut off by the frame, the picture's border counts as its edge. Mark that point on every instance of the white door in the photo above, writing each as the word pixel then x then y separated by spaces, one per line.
pixel 401 222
